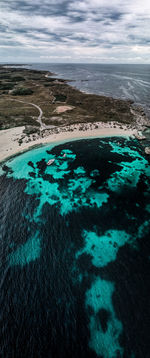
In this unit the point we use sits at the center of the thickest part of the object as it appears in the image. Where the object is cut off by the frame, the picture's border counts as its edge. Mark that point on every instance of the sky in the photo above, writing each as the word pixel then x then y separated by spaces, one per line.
pixel 75 31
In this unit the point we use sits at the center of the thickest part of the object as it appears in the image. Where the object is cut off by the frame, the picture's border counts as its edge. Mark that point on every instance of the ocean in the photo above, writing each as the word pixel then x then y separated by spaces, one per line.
pixel 128 81
pixel 75 251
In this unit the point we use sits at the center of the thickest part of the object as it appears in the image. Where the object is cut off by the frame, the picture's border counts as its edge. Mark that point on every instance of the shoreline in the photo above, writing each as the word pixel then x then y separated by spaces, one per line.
pixel 10 146
pixel 71 115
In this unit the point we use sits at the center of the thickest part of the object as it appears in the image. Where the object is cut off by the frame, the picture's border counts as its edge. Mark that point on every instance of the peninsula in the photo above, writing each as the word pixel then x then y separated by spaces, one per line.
pixel 37 108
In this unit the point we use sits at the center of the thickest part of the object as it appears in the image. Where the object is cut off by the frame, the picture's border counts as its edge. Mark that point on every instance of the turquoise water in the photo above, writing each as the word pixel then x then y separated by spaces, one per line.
pixel 75 247
pixel 104 340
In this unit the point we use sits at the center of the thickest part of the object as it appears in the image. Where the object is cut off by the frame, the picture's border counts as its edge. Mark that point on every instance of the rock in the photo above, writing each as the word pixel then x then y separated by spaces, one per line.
pixel 147 150
pixel 140 137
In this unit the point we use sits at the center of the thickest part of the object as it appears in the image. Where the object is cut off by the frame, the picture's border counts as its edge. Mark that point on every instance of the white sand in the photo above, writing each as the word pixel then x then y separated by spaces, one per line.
pixel 9 138
pixel 62 109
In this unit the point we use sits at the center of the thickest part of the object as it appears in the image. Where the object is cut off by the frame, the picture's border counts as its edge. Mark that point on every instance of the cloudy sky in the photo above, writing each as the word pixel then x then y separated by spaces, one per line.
pixel 90 31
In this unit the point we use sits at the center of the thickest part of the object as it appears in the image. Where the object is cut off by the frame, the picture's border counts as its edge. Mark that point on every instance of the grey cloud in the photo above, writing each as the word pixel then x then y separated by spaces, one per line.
pixel 45 8
pixel 10 43
pixel 90 27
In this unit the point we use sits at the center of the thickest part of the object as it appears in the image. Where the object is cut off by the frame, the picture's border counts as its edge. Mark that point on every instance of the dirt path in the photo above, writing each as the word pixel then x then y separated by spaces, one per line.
pixel 39 119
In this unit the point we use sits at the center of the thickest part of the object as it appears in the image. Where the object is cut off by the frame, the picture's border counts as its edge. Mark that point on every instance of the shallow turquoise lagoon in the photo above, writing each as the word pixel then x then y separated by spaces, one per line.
pixel 75 250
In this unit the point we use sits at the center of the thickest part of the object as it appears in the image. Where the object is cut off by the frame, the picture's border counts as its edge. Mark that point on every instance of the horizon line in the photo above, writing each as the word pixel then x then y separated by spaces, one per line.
pixel 71 63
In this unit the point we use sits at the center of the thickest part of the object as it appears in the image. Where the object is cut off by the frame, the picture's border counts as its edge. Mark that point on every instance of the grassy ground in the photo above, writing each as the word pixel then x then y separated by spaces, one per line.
pixel 49 93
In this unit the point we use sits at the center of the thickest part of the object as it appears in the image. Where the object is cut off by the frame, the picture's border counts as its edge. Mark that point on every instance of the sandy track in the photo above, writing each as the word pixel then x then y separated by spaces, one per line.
pixel 39 119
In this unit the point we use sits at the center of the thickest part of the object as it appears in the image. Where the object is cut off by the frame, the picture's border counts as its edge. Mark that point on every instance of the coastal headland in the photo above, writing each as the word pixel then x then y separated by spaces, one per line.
pixel 36 108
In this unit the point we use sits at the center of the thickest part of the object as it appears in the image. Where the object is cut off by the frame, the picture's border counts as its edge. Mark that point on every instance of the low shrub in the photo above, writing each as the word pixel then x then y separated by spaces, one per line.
pixel 6 86
pixel 17 78
pixel 22 91
pixel 60 97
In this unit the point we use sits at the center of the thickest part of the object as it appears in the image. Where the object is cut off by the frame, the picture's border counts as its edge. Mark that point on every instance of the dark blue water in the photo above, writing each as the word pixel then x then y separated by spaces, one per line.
pixel 119 81
pixel 75 251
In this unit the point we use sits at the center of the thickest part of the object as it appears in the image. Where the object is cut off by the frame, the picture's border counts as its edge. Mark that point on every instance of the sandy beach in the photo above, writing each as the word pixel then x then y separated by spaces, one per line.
pixel 44 110
pixel 9 138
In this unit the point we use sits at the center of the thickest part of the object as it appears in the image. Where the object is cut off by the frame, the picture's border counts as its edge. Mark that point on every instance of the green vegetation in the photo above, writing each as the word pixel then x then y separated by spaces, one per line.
pixel 32 129
pixel 60 97
pixel 47 92
pixel 4 76
pixel 22 91
pixel 17 78
pixel 49 84
pixel 6 123
pixel 6 86
pixel 51 79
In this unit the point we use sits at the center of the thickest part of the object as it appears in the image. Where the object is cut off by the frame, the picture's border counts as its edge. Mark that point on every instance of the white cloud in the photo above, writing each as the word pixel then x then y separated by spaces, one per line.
pixel 90 30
